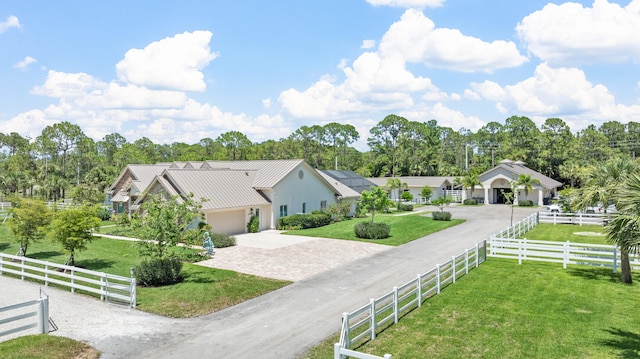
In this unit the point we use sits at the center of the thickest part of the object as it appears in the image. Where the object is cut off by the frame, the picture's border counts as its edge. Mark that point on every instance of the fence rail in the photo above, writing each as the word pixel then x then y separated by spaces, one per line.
pixel 19 319
pixel 573 218
pixel 109 287
pixel 599 255
pixel 364 323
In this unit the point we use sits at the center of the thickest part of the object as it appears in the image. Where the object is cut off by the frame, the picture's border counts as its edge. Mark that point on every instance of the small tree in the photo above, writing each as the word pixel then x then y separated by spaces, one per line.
pixel 164 222
pixel 406 196
pixel 441 203
pixel 73 229
pixel 28 223
pixel 396 184
pixel 374 199
pixel 426 193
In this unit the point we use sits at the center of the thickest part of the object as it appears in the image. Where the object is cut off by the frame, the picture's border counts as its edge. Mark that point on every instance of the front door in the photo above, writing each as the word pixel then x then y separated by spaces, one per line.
pixel 499 194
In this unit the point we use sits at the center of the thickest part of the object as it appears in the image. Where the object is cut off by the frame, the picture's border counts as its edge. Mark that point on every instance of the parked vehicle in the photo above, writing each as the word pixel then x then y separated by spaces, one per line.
pixel 554 208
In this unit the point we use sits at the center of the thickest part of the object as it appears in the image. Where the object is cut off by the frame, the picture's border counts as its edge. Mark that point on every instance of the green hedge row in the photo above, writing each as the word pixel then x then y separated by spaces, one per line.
pixel 525 203
pixel 405 207
pixel 368 230
pixel 470 201
pixel 156 272
pixel 304 221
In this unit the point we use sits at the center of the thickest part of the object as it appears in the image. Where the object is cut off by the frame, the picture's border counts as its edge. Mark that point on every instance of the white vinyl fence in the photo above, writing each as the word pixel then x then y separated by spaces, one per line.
pixel 573 218
pixel 109 287
pixel 599 255
pixel 24 316
pixel 363 324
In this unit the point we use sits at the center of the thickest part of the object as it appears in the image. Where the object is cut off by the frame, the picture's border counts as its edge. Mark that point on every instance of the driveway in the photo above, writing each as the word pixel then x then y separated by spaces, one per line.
pixel 280 324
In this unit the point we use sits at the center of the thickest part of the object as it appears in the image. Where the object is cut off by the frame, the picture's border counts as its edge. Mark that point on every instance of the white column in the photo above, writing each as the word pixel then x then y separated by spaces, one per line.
pixel 540 200
pixel 486 195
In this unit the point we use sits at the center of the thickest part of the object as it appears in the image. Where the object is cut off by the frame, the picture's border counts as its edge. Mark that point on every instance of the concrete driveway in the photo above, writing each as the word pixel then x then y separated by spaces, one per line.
pixel 274 255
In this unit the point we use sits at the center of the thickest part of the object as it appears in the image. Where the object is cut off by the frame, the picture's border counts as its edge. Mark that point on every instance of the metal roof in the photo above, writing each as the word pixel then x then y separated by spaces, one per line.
pixel 269 172
pixel 143 174
pixel 222 188
pixel 343 190
pixel 416 181
pixel 546 182
pixel 350 179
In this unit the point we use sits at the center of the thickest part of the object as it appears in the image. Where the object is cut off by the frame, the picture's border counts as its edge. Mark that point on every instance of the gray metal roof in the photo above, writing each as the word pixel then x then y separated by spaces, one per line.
pixel 222 188
pixel 546 182
pixel 416 181
pixel 270 172
pixel 142 174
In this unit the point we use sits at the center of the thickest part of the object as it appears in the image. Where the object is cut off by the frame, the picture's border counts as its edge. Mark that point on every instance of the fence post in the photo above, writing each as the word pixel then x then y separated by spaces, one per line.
pixel 419 290
pixel 519 252
pixel 466 261
pixel 524 249
pixel 396 315
pixel 580 219
pixel 554 218
pixel 345 326
pixel 453 268
pixel 477 255
pixel 46 275
pixel 615 259
pixel 566 255
pixel 438 278
pixel 133 289
pixel 73 280
pixel 372 303
pixel 336 351
pixel 103 294
pixel 22 268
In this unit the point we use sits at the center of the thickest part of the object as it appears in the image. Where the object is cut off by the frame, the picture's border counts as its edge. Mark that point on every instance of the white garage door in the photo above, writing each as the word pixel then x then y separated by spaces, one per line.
pixel 231 222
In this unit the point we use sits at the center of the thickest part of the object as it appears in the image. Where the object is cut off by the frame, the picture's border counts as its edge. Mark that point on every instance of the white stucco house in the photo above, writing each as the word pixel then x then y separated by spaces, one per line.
pixel 498 180
pixel 440 187
pixel 234 191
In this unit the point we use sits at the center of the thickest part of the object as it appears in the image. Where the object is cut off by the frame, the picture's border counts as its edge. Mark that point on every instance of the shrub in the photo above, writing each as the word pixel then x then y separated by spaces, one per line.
pixel 441 216
pixel 525 203
pixel 103 213
pixel 157 272
pixel 470 202
pixel 339 211
pixel 405 207
pixel 369 230
pixel 254 224
pixel 221 240
pixel 304 221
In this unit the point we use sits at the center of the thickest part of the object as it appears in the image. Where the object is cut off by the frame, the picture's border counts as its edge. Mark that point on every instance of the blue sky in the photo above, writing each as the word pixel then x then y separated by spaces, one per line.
pixel 182 71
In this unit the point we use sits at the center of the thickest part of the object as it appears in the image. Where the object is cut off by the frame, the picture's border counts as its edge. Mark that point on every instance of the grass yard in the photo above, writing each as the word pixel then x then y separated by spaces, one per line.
pixel 506 310
pixel 567 232
pixel 46 346
pixel 403 228
pixel 204 290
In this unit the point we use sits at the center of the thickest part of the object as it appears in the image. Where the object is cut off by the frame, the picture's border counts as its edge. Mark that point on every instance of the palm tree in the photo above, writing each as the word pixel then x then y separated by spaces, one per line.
pixel 624 229
pixel 397 184
pixel 470 181
pixel 527 183
pixel 602 183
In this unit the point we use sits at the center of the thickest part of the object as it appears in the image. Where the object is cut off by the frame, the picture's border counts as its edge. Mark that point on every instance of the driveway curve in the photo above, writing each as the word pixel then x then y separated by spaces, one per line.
pixel 280 324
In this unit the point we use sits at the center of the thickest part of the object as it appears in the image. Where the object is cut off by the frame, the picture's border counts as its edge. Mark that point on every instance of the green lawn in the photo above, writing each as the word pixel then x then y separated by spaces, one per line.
pixel 403 228
pixel 506 310
pixel 566 232
pixel 204 290
pixel 46 347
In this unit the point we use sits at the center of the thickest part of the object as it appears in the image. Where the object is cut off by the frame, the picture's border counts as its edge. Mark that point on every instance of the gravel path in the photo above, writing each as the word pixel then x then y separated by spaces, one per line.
pixel 280 324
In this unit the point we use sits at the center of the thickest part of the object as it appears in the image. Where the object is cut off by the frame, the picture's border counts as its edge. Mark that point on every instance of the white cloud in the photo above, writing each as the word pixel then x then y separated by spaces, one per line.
pixel 172 63
pixel 570 34
pixel 445 116
pixel 557 92
pixel 416 38
pixel 63 85
pixel 407 3
pixel 11 21
pixel 266 103
pixel 133 97
pixel 22 65
pixel 368 44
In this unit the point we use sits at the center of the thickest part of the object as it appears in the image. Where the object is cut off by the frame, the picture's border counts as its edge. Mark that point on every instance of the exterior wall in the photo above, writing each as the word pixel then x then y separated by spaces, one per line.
pixel 293 191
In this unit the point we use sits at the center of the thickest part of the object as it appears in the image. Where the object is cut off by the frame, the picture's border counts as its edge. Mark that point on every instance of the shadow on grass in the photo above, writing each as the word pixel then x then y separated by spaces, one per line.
pixel 600 274
pixel 4 246
pixel 95 264
pixel 628 343
pixel 197 277
pixel 44 255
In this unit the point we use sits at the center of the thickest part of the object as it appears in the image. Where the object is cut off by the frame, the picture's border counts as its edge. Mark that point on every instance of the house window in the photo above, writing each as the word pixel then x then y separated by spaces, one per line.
pixel 304 207
pixel 323 205
pixel 283 210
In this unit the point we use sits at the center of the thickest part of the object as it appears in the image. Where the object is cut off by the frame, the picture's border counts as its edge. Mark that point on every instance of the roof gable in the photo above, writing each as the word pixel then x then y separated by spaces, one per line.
pixel 517 169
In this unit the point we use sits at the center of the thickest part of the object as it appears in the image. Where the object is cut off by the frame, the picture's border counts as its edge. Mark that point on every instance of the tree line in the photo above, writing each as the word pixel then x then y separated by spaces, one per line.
pixel 64 162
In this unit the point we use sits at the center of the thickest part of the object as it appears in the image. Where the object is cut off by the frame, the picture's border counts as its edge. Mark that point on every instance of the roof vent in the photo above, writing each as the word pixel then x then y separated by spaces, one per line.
pixel 506 161
pixel 519 163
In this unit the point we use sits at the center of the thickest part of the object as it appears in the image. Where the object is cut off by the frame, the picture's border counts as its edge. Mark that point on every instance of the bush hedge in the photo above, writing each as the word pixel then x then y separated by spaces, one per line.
pixel 221 240
pixel 441 216
pixel 525 203
pixel 157 272
pixel 370 230
pixel 470 202
pixel 405 207
pixel 254 224
pixel 304 221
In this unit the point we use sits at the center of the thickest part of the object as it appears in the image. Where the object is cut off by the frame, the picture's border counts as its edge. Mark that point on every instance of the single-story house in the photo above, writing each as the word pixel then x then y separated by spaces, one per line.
pixel 498 180
pixel 234 191
pixel 440 187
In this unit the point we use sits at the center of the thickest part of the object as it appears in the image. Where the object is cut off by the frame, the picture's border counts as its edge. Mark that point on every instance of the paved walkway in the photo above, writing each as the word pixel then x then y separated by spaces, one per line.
pixel 280 324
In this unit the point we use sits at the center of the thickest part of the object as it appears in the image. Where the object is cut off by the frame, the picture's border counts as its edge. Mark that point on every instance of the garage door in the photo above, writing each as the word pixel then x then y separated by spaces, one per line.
pixel 230 222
